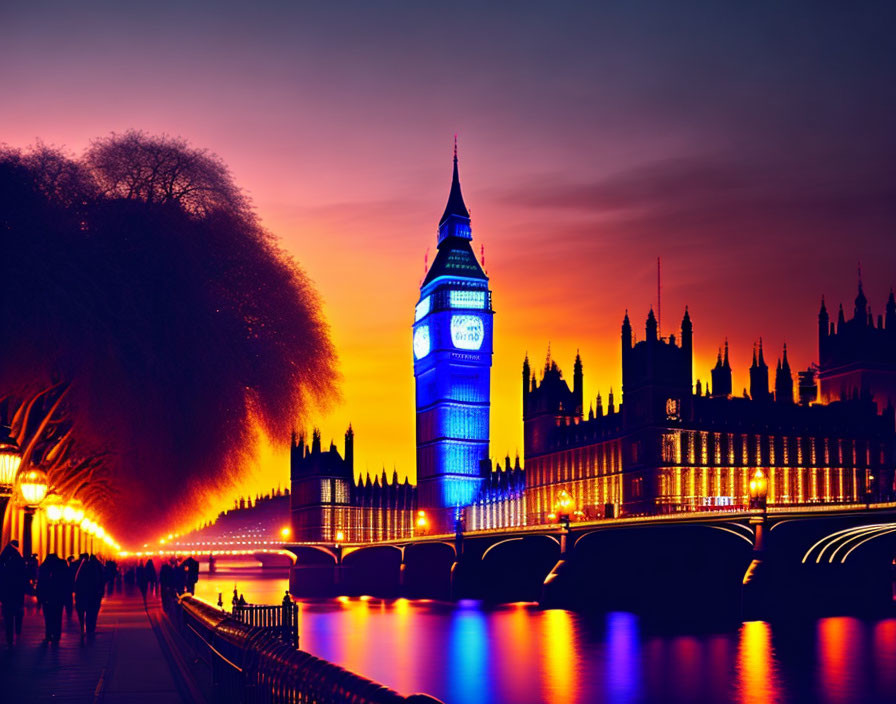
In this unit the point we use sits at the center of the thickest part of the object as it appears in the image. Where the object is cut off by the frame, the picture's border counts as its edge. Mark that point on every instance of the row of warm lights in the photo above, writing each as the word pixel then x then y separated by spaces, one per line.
pixel 33 486
pixel 150 553
pixel 72 513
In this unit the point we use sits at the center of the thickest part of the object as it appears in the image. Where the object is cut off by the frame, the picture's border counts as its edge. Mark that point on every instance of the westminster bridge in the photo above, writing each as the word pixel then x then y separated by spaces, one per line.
pixel 812 558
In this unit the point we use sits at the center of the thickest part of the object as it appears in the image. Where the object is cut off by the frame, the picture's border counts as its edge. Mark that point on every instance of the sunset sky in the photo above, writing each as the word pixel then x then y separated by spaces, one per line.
pixel 752 146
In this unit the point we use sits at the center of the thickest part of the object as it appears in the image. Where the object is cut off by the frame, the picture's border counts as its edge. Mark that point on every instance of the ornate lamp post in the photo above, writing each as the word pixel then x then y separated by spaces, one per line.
pixel 72 515
pixel 53 507
pixel 759 490
pixel 759 499
pixel 564 503
pixel 10 459
pixel 32 486
pixel 422 523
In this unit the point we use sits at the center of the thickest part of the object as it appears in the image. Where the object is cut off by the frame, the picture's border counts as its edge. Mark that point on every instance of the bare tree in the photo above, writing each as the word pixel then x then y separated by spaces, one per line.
pixel 163 169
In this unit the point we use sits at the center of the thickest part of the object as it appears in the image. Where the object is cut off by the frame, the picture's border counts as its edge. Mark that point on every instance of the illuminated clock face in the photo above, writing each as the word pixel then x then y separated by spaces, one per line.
pixel 421 342
pixel 467 332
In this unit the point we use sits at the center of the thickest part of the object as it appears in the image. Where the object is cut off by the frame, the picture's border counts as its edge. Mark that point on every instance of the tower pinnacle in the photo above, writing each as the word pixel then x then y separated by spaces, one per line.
pixel 455 208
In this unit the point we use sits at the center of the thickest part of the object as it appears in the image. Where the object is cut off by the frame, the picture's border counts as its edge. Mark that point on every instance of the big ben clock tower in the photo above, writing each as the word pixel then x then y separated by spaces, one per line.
pixel 452 344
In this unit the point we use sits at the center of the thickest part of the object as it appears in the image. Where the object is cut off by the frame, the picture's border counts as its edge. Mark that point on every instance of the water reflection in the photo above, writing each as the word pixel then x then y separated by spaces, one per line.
pixel 466 653
pixel 623 668
pixel 757 681
pixel 559 655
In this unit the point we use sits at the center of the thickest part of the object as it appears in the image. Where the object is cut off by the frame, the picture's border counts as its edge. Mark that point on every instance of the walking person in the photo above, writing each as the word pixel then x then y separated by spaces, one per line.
pixel 110 572
pixel 52 581
pixel 190 568
pixel 142 580
pixel 71 568
pixel 13 578
pixel 89 588
pixel 151 577
pixel 80 604
pixel 166 583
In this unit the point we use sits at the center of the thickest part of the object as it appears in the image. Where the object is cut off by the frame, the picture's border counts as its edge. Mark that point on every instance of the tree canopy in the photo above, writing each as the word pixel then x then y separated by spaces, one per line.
pixel 140 278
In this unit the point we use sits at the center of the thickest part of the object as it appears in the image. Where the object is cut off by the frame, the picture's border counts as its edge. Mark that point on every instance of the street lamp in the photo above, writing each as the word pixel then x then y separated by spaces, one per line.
pixel 422 521
pixel 10 459
pixel 759 490
pixel 54 509
pixel 32 486
pixel 72 515
pixel 563 504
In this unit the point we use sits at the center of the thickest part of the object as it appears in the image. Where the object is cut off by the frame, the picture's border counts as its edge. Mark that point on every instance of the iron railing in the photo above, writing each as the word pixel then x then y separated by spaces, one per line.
pixel 282 620
pixel 252 665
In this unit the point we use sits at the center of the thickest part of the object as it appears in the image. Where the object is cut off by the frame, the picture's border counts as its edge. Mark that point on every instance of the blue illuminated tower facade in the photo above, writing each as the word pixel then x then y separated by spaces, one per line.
pixel 452 342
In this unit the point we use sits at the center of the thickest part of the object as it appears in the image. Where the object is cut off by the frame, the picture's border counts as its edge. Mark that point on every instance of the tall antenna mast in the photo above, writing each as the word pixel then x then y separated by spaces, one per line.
pixel 659 299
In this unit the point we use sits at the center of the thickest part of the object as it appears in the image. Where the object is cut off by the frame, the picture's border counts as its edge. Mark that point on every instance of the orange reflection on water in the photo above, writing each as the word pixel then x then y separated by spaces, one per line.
pixel 839 657
pixel 757 679
pixel 885 655
pixel 356 652
pixel 560 658
pixel 518 644
pixel 404 655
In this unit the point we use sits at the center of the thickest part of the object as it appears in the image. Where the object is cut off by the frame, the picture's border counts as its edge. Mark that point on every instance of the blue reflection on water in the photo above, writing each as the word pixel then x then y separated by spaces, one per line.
pixel 468 679
pixel 623 662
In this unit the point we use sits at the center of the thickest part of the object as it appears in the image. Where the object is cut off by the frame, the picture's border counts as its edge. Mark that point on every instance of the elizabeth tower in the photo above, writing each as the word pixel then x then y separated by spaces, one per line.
pixel 452 343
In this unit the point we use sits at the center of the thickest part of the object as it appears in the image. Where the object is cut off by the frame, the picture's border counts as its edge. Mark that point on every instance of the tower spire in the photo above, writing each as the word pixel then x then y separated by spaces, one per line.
pixel 455 208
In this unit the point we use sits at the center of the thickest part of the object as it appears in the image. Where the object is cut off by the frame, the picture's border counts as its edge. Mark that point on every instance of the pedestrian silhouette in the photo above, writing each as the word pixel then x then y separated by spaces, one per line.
pixel 89 589
pixel 52 582
pixel 13 584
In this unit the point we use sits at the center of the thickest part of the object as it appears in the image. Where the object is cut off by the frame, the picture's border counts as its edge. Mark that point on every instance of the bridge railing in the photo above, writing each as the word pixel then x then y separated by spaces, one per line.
pixel 282 620
pixel 252 665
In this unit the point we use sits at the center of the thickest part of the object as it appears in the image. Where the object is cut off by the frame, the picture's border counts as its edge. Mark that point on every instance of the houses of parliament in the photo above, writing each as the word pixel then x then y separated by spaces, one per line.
pixel 667 446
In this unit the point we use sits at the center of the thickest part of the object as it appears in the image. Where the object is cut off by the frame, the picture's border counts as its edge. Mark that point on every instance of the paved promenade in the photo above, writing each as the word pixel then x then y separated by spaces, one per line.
pixel 124 661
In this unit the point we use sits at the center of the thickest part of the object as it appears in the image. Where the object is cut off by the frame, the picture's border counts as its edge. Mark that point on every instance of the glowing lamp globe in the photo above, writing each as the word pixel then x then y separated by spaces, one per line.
pixel 33 486
pixel 758 489
pixel 99 532
pixel 73 512
pixel 53 507
pixel 10 459
pixel 564 501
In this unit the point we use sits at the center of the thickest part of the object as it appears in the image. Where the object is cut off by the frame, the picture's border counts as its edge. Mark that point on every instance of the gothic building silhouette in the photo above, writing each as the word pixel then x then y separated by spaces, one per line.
pixel 857 357
pixel 330 504
pixel 668 444
pixel 673 447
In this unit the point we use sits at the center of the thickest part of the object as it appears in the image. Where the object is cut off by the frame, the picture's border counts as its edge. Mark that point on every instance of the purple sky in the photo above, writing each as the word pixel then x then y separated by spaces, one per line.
pixel 751 145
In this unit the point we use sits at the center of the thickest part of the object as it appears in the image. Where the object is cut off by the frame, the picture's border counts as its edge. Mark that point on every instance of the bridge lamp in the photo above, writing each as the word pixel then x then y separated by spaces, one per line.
pixel 422 521
pixel 285 531
pixel 564 503
pixel 340 536
pixel 758 489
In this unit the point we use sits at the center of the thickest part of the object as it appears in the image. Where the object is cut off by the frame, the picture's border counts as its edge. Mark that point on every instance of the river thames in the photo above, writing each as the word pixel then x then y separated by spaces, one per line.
pixel 467 653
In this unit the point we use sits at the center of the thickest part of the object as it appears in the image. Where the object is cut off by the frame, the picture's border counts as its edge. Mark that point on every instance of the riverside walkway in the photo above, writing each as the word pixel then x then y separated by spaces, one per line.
pixel 126 660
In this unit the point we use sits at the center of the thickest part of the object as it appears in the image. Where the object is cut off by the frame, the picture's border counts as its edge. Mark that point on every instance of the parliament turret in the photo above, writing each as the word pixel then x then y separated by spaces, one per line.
pixel 721 374
pixel 759 376
pixel 783 380
pixel 858 358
